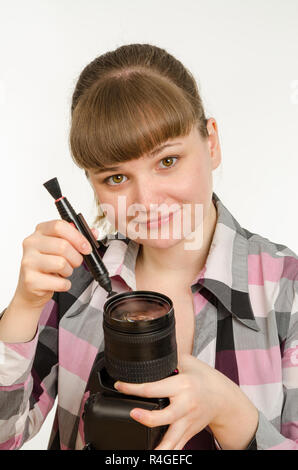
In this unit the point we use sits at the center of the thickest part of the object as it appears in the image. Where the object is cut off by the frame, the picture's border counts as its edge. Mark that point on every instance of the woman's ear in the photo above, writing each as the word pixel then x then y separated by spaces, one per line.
pixel 213 143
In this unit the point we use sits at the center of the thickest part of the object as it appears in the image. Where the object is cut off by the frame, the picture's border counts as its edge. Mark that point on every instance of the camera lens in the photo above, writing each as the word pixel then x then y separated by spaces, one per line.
pixel 138 309
pixel 140 339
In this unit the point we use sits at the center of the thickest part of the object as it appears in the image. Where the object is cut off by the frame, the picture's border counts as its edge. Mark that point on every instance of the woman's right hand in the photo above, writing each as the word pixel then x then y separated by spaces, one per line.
pixel 50 255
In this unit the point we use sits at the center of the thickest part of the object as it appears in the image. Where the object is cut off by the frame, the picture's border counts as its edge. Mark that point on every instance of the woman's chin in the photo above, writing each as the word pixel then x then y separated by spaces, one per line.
pixel 158 243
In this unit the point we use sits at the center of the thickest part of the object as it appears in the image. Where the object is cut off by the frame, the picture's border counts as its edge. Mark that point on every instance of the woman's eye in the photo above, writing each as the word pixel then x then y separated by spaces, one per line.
pixel 115 179
pixel 168 161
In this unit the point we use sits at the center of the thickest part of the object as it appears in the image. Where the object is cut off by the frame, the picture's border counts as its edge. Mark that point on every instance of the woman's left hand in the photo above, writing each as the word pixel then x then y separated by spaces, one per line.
pixel 199 396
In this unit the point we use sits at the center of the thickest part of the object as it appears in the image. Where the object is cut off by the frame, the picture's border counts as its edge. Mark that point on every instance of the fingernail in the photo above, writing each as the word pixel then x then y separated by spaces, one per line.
pixel 86 248
pixel 136 414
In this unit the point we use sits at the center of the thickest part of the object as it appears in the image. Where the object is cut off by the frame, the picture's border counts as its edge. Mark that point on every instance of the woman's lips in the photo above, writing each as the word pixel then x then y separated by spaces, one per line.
pixel 160 221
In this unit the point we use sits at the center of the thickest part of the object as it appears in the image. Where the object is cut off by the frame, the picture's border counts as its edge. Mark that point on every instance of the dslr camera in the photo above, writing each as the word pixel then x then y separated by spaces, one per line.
pixel 139 346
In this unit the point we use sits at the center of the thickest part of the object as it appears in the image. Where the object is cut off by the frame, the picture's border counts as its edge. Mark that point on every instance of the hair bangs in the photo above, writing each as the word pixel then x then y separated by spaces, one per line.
pixel 126 115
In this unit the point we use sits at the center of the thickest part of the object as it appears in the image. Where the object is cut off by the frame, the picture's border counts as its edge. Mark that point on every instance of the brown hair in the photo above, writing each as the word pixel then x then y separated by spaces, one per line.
pixel 127 102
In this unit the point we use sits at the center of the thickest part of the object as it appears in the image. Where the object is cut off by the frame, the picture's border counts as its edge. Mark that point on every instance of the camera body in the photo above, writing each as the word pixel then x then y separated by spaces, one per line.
pixel 107 421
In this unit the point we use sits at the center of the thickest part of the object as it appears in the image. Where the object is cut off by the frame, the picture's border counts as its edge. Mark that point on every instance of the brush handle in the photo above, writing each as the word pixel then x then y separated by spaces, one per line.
pixel 93 260
pixel 85 229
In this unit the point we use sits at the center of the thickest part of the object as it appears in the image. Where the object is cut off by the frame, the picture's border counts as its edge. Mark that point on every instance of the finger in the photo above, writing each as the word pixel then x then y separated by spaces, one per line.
pixel 58 246
pixel 167 387
pixel 153 418
pixel 42 283
pixel 181 444
pixel 67 231
pixel 51 264
pixel 174 435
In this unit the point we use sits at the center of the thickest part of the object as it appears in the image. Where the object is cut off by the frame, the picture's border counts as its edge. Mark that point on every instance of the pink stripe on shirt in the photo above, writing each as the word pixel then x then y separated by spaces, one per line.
pixel 199 302
pixel 12 443
pixel 290 429
pixel 25 350
pixel 76 355
pixel 264 267
pixel 49 314
pixel 259 366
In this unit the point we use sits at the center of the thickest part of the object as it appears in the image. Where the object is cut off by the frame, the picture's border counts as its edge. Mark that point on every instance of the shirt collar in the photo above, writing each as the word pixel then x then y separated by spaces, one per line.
pixel 225 273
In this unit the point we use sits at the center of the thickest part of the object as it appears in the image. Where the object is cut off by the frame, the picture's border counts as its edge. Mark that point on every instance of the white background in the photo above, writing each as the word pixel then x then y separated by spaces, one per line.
pixel 244 56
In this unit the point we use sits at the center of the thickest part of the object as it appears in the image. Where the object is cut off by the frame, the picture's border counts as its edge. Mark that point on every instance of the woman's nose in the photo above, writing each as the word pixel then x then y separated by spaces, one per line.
pixel 146 193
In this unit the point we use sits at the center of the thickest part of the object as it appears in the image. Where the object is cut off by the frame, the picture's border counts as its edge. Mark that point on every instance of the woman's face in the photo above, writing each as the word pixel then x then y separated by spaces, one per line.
pixel 171 188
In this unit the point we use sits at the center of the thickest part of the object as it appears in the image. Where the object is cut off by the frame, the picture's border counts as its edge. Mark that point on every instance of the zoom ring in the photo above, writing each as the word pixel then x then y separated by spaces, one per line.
pixel 140 372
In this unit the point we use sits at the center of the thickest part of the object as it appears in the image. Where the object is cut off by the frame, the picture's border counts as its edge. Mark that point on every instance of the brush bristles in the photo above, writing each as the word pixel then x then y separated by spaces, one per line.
pixel 53 187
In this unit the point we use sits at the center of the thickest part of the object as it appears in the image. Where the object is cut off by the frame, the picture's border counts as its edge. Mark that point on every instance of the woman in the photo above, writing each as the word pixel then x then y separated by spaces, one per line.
pixel 234 292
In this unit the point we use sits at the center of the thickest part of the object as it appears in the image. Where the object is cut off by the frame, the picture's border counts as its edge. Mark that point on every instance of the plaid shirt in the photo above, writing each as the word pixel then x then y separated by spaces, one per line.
pixel 246 326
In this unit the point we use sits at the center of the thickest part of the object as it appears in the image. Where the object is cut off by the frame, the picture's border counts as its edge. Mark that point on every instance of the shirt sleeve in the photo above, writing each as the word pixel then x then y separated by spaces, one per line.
pixel 268 436
pixel 28 381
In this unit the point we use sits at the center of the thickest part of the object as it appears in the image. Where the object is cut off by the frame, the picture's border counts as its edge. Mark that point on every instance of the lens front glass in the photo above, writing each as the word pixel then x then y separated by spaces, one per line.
pixel 133 310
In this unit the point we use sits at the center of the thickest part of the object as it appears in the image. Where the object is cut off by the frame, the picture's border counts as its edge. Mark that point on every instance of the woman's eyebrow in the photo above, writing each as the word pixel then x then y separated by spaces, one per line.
pixel 106 169
pixel 159 149
pixel 151 154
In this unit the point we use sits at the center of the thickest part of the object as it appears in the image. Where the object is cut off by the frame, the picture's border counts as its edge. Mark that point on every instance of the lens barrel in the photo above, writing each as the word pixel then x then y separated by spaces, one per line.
pixel 140 337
